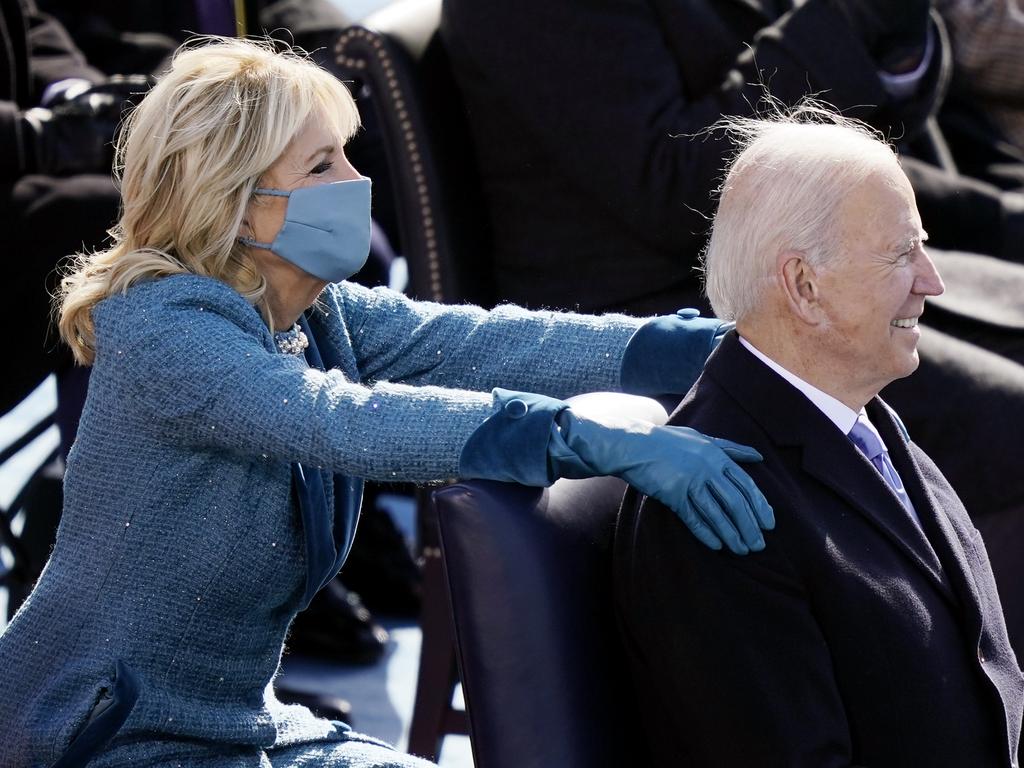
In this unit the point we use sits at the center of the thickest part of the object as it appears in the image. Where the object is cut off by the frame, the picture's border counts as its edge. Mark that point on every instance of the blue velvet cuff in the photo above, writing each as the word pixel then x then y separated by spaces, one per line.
pixel 666 354
pixel 512 443
pixel 565 462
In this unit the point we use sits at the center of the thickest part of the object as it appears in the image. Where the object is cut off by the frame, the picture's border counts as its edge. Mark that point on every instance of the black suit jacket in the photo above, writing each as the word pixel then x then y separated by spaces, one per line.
pixel 853 638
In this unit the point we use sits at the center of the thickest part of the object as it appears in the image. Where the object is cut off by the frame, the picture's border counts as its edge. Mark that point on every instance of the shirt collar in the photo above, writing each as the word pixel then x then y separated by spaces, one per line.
pixel 839 414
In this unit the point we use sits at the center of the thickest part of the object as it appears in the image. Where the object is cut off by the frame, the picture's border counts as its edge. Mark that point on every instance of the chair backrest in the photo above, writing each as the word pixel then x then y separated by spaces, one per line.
pixel 543 670
pixel 398 62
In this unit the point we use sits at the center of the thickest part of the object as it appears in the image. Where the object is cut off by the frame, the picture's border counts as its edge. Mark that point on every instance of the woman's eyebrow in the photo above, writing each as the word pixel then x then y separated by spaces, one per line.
pixel 323 150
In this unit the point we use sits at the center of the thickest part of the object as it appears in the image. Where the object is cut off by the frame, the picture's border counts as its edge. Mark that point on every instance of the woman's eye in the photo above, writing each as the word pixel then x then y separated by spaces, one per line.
pixel 322 168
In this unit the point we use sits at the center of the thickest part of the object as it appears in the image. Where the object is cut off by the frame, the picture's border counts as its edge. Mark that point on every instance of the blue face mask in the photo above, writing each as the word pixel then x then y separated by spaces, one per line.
pixel 326 228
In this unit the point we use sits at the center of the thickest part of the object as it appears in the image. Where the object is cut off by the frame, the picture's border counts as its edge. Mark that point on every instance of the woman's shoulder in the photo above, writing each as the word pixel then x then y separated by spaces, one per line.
pixel 162 319
pixel 165 298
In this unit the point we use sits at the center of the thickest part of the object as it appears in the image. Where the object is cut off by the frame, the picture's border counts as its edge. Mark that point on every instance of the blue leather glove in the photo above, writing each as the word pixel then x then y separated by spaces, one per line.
pixel 693 475
pixel 667 353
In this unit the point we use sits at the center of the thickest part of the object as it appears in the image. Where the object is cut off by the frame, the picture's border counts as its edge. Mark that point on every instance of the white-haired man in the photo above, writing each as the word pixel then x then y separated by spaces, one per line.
pixel 869 631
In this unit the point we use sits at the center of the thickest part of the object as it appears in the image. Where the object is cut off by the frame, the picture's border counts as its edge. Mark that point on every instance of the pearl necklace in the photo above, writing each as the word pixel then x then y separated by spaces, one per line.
pixel 291 342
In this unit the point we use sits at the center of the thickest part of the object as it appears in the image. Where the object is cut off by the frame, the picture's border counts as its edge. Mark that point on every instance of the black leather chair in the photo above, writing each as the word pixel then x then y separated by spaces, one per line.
pixel 529 576
pixel 398 70
pixel 543 671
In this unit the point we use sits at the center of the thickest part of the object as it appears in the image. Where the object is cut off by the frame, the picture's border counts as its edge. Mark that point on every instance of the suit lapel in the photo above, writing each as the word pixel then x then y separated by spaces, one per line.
pixel 791 420
pixel 937 523
pixel 836 462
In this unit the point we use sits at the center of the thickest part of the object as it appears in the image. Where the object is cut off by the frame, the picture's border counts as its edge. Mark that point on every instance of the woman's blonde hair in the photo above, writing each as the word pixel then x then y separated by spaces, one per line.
pixel 188 159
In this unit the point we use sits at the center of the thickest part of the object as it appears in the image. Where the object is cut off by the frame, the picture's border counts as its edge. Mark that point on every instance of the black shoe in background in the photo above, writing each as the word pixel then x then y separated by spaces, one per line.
pixel 337 627
pixel 321 704
pixel 380 567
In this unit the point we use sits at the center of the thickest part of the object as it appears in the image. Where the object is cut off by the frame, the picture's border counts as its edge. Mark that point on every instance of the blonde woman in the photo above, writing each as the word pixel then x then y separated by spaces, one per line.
pixel 240 392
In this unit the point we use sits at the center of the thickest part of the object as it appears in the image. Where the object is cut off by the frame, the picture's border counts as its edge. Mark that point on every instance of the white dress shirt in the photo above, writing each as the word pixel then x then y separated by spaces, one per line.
pixel 838 413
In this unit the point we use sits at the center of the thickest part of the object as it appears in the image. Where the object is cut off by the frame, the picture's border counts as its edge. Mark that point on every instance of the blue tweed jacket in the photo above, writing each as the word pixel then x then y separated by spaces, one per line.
pixel 159 620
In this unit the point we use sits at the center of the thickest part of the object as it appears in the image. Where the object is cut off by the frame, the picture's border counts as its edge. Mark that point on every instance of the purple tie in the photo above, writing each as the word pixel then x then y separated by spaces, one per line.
pixel 870 444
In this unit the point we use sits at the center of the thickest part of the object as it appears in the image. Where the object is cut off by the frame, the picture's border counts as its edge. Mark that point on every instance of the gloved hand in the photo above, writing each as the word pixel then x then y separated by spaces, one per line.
pixel 891 31
pixel 76 135
pixel 694 475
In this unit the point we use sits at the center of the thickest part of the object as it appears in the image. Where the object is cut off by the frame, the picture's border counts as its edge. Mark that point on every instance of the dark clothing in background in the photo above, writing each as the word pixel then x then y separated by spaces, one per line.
pixel 44 218
pixel 588 126
pixel 583 118
pixel 120 37
pixel 35 51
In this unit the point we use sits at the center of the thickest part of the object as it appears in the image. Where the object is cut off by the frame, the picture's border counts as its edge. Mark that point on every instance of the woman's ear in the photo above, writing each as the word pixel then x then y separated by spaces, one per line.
pixel 245 227
pixel 800 285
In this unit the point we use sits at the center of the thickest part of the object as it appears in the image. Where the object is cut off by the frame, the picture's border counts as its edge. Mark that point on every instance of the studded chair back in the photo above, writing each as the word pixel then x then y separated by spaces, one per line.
pixel 397 67
pixel 529 573
pixel 397 63
pixel 543 669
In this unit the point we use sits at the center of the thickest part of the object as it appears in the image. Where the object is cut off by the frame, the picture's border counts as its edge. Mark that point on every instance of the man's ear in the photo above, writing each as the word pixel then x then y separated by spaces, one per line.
pixel 801 288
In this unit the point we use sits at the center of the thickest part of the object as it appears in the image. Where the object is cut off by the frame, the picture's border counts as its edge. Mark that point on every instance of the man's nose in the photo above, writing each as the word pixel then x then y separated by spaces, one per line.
pixel 928 281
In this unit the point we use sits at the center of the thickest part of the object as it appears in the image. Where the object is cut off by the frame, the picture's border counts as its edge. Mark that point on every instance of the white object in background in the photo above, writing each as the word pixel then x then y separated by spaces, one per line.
pixel 14 424
pixel 359 9
pixel 411 22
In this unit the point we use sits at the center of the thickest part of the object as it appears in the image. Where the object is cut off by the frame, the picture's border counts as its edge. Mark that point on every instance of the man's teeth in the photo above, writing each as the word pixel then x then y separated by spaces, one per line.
pixel 907 322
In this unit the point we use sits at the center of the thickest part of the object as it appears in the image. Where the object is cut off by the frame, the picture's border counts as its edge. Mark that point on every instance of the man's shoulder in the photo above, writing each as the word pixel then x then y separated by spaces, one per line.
pixel 715 410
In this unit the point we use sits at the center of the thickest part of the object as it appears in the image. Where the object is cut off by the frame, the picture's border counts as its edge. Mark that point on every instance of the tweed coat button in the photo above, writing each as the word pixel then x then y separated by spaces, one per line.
pixel 688 314
pixel 516 409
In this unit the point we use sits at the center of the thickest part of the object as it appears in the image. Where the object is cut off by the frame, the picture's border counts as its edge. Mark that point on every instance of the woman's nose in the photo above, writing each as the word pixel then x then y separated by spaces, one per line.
pixel 347 171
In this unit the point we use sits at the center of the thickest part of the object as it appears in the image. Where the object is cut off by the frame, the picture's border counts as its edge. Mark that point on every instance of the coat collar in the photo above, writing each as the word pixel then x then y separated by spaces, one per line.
pixel 791 420
pixel 937 524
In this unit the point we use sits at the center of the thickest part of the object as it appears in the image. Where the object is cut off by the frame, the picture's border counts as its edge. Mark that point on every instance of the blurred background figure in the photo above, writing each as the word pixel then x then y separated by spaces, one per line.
pixel 987 39
pixel 589 128
pixel 58 116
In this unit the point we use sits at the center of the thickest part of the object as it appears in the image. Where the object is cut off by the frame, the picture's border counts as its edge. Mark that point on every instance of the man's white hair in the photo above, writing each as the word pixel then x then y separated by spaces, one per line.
pixel 783 192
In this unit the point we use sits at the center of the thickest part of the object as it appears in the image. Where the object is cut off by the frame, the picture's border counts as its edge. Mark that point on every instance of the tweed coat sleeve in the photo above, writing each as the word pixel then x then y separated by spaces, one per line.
pixel 464 347
pixel 196 362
